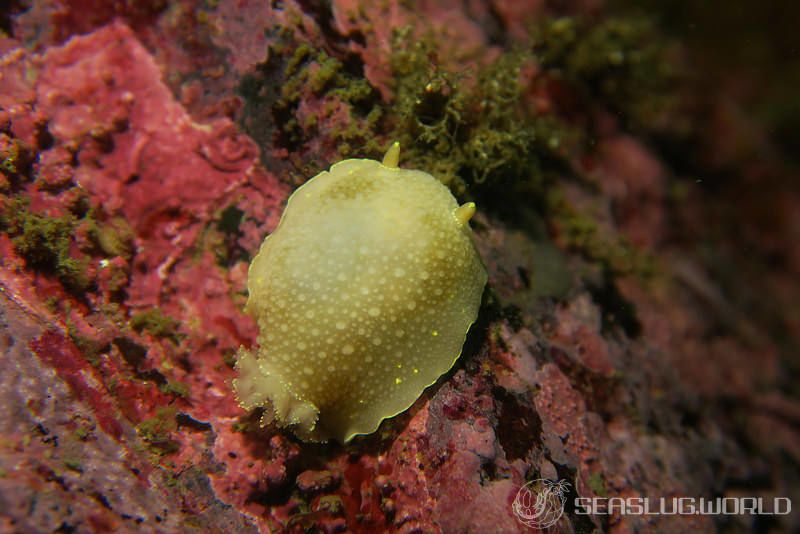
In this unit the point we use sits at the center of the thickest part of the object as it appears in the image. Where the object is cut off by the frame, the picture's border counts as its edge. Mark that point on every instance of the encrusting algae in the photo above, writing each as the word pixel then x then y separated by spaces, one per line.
pixel 363 296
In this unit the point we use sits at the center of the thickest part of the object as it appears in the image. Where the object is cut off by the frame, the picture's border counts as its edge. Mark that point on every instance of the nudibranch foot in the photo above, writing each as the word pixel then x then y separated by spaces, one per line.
pixel 258 386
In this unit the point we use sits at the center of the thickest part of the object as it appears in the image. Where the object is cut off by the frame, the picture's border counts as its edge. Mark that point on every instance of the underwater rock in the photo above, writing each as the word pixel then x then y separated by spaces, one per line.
pixel 118 409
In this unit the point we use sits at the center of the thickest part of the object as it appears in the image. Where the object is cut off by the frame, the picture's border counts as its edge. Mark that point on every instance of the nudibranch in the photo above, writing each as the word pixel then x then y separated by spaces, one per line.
pixel 363 296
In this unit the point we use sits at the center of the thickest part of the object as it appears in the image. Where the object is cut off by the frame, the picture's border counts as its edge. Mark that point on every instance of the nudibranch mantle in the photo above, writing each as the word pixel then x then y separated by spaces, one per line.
pixel 363 296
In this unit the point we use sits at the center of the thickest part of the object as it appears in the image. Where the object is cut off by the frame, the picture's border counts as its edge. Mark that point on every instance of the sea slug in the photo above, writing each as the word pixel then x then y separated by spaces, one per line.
pixel 363 296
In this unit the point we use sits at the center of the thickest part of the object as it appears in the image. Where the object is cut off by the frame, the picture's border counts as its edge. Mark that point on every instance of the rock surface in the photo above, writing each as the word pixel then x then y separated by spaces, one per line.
pixel 650 352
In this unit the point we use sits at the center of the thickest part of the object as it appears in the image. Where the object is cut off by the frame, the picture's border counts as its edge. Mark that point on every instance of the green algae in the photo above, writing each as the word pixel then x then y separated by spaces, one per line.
pixel 221 237
pixel 158 430
pixel 84 432
pixel 157 324
pixel 597 483
pixel 580 232
pixel 342 108
pixel 73 464
pixel 89 348
pixel 331 503
pixel 464 130
pixel 45 242
pixel 10 159
pixel 114 237
pixel 176 388
pixel 470 132
pixel 623 62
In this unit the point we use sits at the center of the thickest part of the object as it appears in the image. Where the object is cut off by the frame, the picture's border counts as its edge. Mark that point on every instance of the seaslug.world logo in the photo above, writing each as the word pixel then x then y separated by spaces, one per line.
pixel 540 503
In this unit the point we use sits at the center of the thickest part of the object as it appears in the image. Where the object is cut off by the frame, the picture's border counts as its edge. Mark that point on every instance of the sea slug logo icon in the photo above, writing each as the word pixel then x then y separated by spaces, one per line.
pixel 540 503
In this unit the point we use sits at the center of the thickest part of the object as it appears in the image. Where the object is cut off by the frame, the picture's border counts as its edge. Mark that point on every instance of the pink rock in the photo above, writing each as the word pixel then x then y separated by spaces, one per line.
pixel 635 181
pixel 548 390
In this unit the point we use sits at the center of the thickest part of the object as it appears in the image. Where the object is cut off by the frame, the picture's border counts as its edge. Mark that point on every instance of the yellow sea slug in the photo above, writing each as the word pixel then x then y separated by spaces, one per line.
pixel 363 296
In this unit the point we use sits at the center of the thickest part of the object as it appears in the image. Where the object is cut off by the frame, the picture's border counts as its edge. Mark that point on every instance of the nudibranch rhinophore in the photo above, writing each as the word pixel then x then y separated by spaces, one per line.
pixel 363 296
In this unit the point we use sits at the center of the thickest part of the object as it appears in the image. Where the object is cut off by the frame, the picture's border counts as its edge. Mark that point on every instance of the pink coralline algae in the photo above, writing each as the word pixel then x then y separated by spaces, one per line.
pixel 638 337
